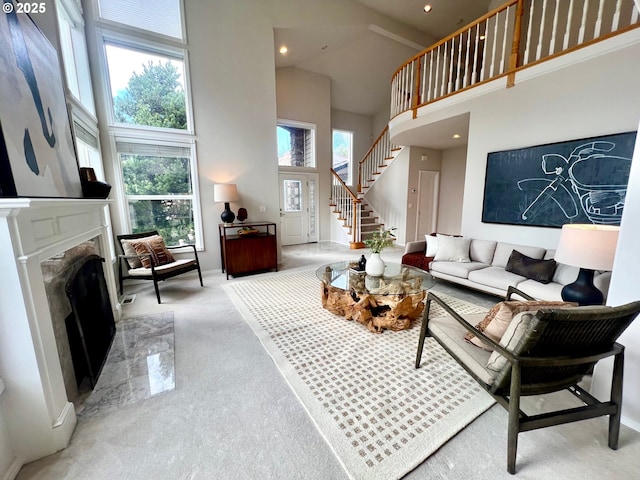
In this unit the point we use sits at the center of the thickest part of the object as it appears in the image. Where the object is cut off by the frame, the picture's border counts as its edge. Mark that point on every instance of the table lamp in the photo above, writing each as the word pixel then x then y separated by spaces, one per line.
pixel 589 247
pixel 226 192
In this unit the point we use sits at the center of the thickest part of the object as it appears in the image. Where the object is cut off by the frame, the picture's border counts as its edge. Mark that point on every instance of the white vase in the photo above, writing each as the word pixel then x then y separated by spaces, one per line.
pixel 375 265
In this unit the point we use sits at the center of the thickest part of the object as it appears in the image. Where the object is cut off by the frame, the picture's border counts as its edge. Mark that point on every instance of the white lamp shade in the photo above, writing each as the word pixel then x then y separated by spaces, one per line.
pixel 225 192
pixel 588 246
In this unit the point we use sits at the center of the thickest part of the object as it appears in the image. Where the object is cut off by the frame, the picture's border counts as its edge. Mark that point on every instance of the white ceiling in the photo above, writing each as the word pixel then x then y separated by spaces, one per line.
pixel 361 58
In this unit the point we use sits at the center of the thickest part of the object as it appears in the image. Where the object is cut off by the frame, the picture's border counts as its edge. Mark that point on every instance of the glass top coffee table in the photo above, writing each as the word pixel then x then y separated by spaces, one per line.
pixel 391 301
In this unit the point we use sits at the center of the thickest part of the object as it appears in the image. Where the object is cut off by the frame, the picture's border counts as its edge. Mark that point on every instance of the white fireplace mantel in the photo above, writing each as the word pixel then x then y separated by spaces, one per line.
pixel 39 418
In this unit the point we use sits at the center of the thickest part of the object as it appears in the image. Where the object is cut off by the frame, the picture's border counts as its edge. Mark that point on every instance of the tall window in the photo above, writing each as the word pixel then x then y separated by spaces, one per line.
pixel 145 60
pixel 296 145
pixel 343 154
pixel 158 181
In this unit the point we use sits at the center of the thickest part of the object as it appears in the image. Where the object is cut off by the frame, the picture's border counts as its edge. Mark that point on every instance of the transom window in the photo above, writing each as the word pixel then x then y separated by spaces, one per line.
pixel 147 89
pixel 296 145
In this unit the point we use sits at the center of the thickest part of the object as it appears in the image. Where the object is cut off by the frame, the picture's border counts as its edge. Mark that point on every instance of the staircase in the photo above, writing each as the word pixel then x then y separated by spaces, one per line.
pixel 358 217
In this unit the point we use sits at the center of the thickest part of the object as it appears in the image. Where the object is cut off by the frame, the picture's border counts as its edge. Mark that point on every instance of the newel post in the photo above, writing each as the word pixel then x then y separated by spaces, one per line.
pixel 515 46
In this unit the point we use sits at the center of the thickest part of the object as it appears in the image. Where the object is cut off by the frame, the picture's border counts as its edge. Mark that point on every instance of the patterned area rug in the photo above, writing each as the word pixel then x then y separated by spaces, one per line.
pixel 380 415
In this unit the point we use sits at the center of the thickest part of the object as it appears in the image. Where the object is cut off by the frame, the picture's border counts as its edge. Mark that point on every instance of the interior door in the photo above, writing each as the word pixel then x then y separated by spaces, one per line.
pixel 294 209
pixel 428 186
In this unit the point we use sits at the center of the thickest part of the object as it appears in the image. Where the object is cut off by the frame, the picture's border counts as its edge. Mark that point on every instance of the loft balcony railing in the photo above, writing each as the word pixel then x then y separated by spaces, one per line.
pixel 517 35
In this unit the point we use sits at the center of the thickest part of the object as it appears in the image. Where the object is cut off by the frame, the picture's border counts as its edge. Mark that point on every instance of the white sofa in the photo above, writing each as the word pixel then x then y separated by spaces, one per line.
pixel 486 270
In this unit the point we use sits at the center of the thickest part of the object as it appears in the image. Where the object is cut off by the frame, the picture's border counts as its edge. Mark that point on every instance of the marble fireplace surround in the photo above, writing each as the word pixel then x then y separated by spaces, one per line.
pixel 38 415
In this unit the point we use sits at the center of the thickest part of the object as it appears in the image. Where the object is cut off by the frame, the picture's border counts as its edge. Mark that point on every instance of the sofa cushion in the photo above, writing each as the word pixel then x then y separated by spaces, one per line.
pixel 482 250
pixel 548 291
pixel 503 252
pixel 431 245
pixel 155 247
pixel 540 270
pixel 452 249
pixel 458 269
pixel 495 277
pixel 565 274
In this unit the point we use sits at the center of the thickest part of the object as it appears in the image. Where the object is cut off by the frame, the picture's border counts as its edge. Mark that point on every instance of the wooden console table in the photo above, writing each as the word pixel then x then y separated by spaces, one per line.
pixel 248 253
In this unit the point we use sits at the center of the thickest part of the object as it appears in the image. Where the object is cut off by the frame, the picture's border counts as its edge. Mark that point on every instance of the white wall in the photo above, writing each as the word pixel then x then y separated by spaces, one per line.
pixel 623 289
pixel 419 159
pixel 363 136
pixel 388 195
pixel 306 97
pixel 588 99
pixel 452 180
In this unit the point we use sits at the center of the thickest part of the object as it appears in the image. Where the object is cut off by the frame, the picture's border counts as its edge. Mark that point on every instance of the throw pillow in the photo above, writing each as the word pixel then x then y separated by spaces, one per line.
pixel 432 245
pixel 128 249
pixel 539 270
pixel 510 340
pixel 497 320
pixel 154 246
pixel 452 249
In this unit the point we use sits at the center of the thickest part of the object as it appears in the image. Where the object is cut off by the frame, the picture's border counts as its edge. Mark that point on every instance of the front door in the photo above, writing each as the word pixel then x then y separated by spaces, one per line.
pixel 297 208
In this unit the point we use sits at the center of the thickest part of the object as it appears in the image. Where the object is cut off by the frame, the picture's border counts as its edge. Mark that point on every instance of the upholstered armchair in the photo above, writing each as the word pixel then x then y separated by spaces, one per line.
pixel 146 257
pixel 544 349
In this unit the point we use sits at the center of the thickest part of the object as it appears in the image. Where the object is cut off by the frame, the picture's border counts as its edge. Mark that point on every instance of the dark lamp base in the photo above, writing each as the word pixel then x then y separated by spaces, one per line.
pixel 227 216
pixel 582 290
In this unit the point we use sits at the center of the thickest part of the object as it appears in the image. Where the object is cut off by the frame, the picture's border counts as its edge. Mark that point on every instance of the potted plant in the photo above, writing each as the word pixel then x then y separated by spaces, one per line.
pixel 379 240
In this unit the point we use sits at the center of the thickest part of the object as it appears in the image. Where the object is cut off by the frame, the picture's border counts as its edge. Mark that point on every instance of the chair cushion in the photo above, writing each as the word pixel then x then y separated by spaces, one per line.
pixel 155 246
pixel 452 249
pixel 539 270
pixel 166 268
pixel 498 319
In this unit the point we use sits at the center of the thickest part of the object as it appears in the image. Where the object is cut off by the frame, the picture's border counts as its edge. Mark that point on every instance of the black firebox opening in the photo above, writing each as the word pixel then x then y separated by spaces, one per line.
pixel 90 325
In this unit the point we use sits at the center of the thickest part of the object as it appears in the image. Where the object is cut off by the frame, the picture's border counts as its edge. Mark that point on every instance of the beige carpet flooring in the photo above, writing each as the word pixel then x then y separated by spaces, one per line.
pixel 232 415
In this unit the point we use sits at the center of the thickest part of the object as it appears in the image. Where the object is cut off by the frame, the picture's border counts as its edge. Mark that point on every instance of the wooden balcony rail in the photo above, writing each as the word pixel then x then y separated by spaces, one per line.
pixel 375 159
pixel 517 35
pixel 348 207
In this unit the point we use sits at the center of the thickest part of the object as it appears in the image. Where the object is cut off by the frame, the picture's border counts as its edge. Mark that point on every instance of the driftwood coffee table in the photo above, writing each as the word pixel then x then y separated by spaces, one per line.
pixel 392 301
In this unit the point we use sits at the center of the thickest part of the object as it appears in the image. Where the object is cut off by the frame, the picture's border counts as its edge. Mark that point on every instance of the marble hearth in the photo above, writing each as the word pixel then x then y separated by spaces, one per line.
pixel 37 412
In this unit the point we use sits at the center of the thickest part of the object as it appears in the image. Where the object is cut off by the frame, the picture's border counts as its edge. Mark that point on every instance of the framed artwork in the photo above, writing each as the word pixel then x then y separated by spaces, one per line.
pixel 578 181
pixel 37 153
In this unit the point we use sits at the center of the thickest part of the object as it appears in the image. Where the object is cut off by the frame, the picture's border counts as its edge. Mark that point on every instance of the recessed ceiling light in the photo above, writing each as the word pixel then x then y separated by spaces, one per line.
pixel 427 8
pixel 283 50
pixel 456 135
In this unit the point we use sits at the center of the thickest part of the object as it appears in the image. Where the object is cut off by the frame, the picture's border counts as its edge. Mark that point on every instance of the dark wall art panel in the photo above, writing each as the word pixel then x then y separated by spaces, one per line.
pixel 37 154
pixel 578 181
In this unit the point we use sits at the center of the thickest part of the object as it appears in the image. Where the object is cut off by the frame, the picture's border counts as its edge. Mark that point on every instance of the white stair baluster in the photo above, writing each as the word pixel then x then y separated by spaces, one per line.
pixel 527 49
pixel 598 27
pixel 543 20
pixel 567 33
pixel 552 43
pixel 583 22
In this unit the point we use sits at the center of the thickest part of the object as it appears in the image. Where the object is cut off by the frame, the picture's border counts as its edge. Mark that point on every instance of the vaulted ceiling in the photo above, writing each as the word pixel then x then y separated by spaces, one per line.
pixel 361 54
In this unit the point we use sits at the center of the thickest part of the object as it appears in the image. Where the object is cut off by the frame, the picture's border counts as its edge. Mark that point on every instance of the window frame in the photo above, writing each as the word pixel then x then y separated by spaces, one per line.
pixel 124 136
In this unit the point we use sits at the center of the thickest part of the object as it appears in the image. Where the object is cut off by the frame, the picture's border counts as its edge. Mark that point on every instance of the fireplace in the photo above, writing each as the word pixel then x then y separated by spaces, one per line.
pixel 38 413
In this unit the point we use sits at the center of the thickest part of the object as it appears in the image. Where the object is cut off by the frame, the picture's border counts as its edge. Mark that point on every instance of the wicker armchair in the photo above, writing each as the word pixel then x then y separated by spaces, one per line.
pixel 554 349
pixel 155 273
